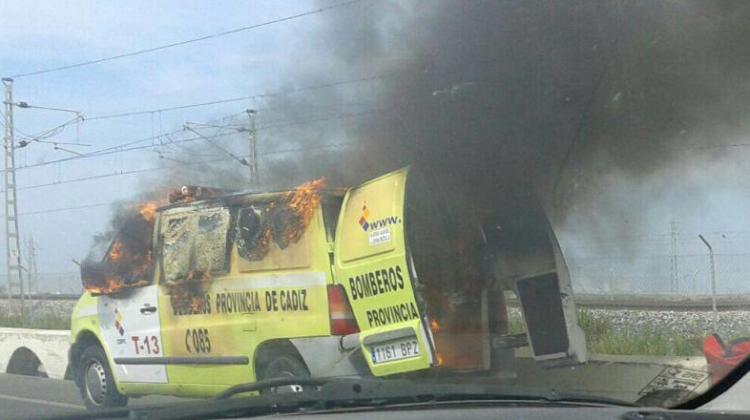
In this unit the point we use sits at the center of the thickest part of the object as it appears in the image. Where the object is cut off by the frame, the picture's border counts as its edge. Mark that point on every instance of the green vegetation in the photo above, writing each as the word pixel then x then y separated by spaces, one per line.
pixel 516 325
pixel 602 338
pixel 40 321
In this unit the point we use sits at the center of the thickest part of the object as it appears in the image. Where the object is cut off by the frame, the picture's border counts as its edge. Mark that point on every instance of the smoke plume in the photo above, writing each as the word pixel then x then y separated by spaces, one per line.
pixel 510 99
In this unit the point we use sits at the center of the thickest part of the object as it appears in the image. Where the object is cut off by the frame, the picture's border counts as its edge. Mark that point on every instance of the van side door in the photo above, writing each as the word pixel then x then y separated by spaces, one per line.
pixel 371 262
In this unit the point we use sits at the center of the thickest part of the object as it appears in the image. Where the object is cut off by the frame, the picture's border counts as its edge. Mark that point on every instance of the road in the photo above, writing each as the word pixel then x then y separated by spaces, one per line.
pixel 26 397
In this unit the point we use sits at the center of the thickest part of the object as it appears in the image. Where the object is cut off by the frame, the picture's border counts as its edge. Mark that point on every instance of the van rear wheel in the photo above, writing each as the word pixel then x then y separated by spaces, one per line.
pixel 284 366
pixel 96 382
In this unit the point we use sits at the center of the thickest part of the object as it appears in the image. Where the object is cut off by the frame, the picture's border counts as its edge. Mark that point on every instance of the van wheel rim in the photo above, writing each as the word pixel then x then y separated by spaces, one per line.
pixel 96 382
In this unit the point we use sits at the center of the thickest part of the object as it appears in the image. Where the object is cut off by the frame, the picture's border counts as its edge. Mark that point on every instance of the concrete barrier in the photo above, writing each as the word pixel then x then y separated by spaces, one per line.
pixel 34 352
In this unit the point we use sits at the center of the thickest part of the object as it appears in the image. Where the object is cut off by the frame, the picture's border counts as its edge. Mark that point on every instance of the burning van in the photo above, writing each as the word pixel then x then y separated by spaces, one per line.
pixel 216 289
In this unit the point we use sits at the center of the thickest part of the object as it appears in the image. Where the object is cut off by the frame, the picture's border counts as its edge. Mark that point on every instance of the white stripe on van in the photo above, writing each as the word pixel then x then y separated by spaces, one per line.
pixel 271 281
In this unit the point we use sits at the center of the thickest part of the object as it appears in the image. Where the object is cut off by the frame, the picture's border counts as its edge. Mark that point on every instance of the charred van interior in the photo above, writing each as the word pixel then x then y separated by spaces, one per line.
pixel 128 261
pixel 466 261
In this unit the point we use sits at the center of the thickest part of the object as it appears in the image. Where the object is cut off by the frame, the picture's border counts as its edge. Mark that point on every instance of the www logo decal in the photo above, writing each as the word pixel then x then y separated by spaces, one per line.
pixel 368 224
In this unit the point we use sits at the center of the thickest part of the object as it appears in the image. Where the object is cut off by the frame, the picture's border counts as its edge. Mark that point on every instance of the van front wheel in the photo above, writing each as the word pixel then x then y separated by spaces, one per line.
pixel 96 381
pixel 284 366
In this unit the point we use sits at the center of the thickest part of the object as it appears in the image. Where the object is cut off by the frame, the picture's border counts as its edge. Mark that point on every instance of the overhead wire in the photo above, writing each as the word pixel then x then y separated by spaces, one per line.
pixel 210 141
pixel 241 98
pixel 130 145
pixel 59 209
pixel 184 42
pixel 182 164
pixel 172 108
pixel 120 147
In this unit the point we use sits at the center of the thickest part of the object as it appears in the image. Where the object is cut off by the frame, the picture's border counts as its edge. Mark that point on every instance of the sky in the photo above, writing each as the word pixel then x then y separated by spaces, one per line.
pixel 699 192
pixel 42 34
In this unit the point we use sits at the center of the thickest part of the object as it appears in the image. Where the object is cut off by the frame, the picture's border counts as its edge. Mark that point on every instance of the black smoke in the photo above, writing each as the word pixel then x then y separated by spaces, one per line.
pixel 505 102
pixel 509 98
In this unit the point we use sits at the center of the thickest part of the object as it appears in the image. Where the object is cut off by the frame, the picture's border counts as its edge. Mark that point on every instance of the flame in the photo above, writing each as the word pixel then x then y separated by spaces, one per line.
pixel 286 219
pixel 305 199
pixel 109 287
pixel 129 258
pixel 301 203
pixel 148 211
pixel 115 254
pixel 434 326
pixel 439 359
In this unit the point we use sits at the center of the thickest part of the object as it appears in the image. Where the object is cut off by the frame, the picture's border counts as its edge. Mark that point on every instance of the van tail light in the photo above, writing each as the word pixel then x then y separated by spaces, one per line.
pixel 342 317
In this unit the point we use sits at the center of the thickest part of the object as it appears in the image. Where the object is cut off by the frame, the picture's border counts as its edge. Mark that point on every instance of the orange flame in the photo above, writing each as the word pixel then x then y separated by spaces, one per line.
pixel 148 211
pixel 115 254
pixel 286 219
pixel 128 263
pixel 434 326
pixel 305 198
pixel 302 202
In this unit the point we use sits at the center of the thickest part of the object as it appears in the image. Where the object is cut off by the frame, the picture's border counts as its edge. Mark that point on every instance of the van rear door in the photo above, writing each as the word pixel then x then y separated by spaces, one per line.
pixel 371 263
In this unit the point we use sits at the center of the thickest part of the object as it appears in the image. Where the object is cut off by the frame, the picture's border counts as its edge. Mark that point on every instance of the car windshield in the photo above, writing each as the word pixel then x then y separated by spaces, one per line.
pixel 533 199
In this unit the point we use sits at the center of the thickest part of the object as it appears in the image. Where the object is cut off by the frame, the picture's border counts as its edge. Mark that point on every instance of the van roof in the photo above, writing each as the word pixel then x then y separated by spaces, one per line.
pixel 246 197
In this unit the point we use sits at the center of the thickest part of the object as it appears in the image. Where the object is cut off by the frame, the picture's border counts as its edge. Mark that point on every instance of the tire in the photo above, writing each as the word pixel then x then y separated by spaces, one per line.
pixel 96 382
pixel 283 366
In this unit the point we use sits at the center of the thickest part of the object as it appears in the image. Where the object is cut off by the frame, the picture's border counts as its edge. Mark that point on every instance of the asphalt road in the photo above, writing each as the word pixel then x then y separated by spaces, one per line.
pixel 26 397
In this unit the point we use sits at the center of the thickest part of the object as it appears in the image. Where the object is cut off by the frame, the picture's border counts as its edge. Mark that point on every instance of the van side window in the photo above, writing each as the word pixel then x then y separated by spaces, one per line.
pixel 268 238
pixel 252 236
pixel 195 241
pixel 211 242
pixel 177 240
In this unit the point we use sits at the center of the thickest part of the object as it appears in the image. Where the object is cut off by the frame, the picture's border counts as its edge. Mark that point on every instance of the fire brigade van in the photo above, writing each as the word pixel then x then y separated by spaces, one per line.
pixel 234 288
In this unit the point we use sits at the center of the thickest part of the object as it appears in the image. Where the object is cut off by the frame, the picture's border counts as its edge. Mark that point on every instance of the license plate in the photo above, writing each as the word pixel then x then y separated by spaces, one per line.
pixel 394 350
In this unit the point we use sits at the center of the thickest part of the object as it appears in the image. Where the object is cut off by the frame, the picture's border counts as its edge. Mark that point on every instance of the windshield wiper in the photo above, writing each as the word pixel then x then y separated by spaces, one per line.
pixel 273 383
pixel 320 394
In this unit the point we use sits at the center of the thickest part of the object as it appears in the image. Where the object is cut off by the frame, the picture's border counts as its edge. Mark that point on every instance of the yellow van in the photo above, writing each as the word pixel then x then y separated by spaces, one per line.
pixel 213 290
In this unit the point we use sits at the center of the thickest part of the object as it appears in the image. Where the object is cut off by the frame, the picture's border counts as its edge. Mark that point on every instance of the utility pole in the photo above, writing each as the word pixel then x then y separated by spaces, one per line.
pixel 675 278
pixel 713 279
pixel 253 145
pixel 31 266
pixel 12 240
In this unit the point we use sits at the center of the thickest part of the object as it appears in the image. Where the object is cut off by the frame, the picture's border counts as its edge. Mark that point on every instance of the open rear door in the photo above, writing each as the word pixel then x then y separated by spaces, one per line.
pixel 371 264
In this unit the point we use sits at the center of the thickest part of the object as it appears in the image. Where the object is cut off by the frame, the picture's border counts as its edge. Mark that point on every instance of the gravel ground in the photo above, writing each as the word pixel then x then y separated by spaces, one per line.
pixel 688 323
